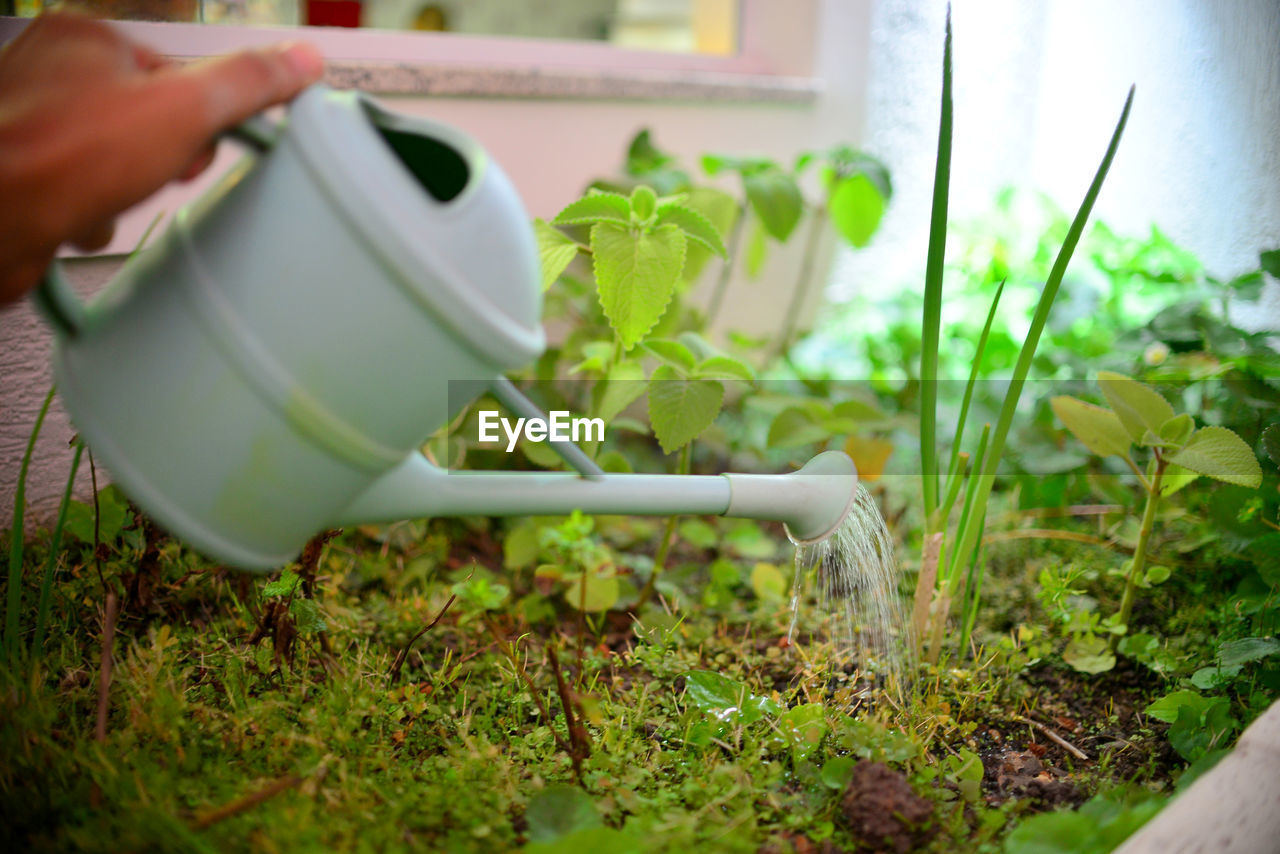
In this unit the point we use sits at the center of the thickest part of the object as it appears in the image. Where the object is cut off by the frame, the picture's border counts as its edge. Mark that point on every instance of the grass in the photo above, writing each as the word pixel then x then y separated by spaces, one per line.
pixel 213 743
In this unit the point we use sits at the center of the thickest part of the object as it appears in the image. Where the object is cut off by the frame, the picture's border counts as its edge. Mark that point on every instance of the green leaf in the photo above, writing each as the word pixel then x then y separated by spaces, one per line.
pixel 698 533
pixel 674 353
pixel 624 383
pixel 725 699
pixel 596 356
pixel 1089 654
pixel 593 592
pixel 803 728
pixel 1270 262
pixel 596 208
pixel 858 410
pixel 643 202
pixel 1157 574
pixel 856 207
pixel 1215 678
pixel 636 275
pixel 837 772
pixel 1271 443
pixel 1265 551
pixel 694 225
pixel 1218 453
pixel 1175 478
pixel 306 615
pixel 113 511
pixel 776 199
pixel 1139 407
pixel 520 546
pixel 1098 429
pixel 1166 708
pixel 558 811
pixel 768 582
pixel 479 593
pixel 285 585
pixel 1237 652
pixel 555 251
pixel 1177 429
pixel 723 368
pixel 795 427
pixel 680 409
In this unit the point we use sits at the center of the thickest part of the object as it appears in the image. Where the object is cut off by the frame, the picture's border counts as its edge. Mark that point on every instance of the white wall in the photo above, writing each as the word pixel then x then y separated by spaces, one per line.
pixel 1038 89
pixel 551 149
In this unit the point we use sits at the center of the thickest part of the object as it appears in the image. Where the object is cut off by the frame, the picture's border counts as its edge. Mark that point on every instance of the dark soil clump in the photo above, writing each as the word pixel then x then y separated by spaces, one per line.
pixel 882 811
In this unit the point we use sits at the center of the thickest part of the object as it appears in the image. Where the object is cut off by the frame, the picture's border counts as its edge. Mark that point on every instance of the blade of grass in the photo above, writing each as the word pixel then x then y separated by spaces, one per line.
pixel 973 594
pixel 973 375
pixel 968 537
pixel 948 571
pixel 14 596
pixel 46 586
pixel 931 328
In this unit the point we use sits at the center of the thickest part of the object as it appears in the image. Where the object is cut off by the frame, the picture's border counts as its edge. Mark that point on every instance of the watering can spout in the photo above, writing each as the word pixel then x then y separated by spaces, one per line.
pixel 812 501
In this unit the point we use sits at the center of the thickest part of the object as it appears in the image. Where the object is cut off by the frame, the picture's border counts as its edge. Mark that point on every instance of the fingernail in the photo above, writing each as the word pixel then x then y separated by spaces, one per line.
pixel 305 59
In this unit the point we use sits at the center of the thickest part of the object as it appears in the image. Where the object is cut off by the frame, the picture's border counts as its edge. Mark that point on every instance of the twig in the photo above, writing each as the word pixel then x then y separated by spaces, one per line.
pixel 403 654
pixel 1054 737
pixel 104 683
pixel 248 802
pixel 1046 534
pixel 579 740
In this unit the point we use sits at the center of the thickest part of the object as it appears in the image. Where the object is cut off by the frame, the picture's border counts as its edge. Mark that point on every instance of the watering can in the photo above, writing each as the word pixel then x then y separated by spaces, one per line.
pixel 270 367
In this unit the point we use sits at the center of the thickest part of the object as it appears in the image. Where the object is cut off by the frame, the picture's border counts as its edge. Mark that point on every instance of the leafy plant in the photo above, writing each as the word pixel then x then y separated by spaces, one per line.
pixel 949 560
pixel 1137 416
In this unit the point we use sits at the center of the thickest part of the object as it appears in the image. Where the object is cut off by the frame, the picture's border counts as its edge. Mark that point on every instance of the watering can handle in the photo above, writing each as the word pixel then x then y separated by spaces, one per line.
pixel 512 398
pixel 54 296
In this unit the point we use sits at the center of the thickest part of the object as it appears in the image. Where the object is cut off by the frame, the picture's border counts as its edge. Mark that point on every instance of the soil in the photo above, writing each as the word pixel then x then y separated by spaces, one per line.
pixel 881 810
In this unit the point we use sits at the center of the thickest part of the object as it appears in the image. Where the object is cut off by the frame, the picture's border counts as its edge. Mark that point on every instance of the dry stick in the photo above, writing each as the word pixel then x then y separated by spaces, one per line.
pixel 104 683
pixel 246 803
pixel 509 652
pixel 403 654
pixel 1054 737
pixel 578 737
pixel 925 583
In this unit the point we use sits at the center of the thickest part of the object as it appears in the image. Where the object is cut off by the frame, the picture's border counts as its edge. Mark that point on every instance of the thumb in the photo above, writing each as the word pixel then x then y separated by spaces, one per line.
pixel 208 97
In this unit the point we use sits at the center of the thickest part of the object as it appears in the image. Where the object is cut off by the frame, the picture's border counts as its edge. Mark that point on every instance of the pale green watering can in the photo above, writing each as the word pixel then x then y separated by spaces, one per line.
pixel 270 367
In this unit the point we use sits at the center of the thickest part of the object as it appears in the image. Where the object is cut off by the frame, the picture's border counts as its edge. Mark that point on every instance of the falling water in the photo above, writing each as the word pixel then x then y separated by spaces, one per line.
pixel 857 575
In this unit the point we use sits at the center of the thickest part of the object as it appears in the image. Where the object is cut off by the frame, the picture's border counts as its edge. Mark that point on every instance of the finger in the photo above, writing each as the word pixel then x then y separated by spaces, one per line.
pixel 209 97
pixel 201 163
pixel 94 237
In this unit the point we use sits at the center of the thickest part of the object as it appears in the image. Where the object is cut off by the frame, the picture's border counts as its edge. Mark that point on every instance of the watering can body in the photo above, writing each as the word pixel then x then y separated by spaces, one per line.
pixel 292 336
pixel 272 364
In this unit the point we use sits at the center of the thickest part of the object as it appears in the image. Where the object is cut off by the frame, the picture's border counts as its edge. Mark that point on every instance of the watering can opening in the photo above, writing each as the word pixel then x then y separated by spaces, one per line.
pixel 440 169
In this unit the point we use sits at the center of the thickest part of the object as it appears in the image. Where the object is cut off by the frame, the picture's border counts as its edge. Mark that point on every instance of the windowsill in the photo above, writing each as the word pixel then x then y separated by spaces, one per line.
pixel 477 81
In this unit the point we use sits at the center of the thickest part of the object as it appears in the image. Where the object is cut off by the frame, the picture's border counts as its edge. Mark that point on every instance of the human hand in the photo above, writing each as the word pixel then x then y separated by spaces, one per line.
pixel 92 123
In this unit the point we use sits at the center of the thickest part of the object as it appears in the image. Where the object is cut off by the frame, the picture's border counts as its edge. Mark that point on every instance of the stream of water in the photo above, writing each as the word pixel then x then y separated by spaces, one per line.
pixel 857 575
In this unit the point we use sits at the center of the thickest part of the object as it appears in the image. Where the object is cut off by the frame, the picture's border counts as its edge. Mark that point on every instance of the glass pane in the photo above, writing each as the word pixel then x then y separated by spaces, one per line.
pixel 683 26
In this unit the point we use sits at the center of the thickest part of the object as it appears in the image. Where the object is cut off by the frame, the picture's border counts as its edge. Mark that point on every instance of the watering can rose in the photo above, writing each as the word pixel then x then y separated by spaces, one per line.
pixel 559 427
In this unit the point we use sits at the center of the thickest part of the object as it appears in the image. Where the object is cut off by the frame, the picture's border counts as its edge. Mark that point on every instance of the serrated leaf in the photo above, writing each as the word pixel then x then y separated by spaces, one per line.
pixel 556 251
pixel 643 202
pixel 674 353
pixel 1139 407
pixel 1175 478
pixel 794 427
pixel 1271 443
pixel 723 368
pixel 1177 429
pixel 1098 429
pixel 721 209
pixel 768 582
pixel 1218 453
pixel 636 275
pixel 680 409
pixel 306 615
pixel 596 208
pixel 285 585
pixel 775 197
pixel 694 225
pixel 856 207
pixel 624 383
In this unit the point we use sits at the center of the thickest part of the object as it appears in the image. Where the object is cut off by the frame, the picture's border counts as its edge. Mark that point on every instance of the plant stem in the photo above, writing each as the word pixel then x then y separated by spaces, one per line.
pixel 726 269
pixel 668 532
pixel 14 603
pixel 1140 552
pixel 51 565
pixel 817 221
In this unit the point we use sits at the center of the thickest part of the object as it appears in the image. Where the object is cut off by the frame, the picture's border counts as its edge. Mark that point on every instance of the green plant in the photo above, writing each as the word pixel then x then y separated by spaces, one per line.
pixel 948 559
pixel 1137 416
